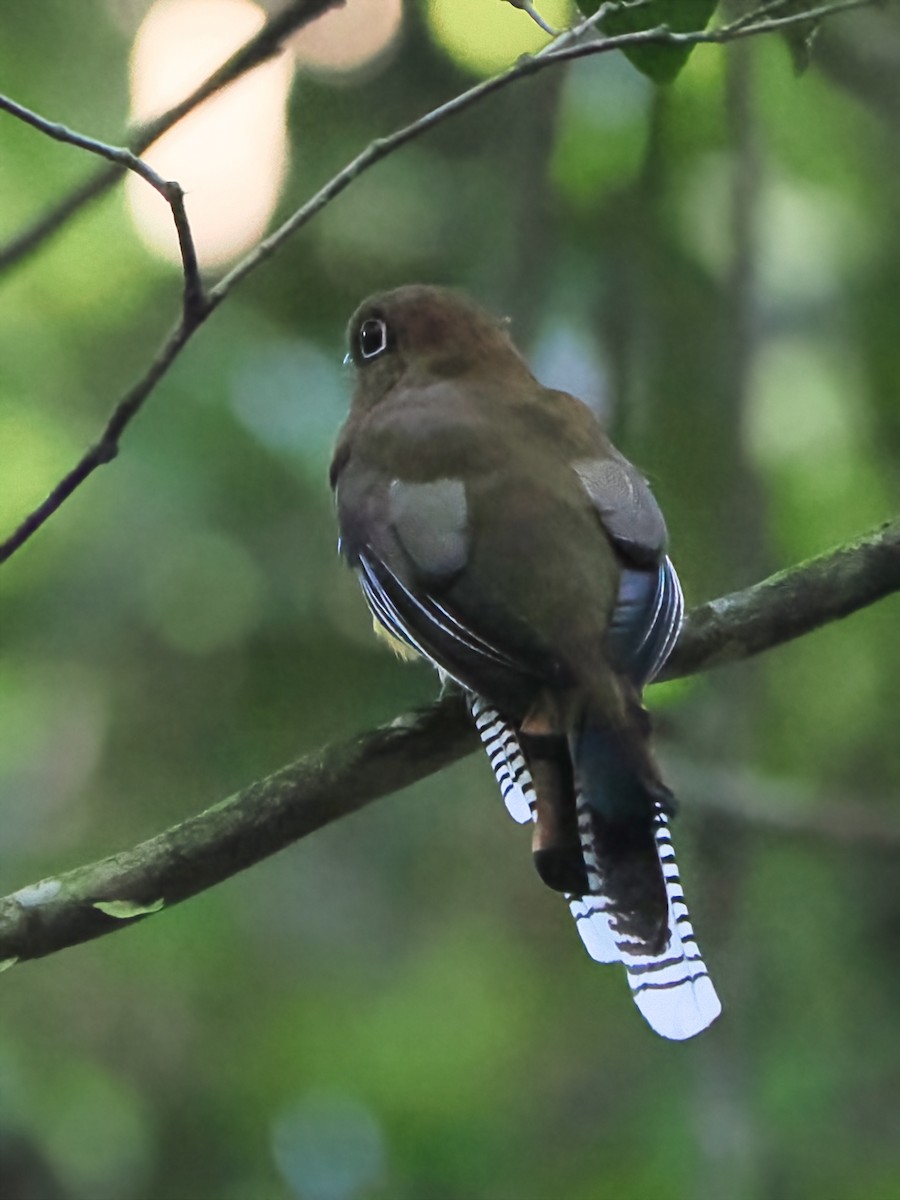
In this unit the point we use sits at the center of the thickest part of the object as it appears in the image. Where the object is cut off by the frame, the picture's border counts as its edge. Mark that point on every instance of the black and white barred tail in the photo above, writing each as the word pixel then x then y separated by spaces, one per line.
pixel 672 989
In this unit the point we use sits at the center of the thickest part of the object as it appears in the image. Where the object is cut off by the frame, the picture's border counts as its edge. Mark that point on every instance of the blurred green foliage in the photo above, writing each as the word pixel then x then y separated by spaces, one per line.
pixel 396 1007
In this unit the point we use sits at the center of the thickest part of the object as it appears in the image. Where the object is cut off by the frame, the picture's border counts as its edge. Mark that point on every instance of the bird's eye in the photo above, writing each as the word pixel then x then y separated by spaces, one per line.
pixel 373 338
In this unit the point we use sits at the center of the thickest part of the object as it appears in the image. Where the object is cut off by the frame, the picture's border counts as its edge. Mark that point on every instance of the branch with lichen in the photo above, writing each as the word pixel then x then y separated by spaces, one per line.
pixel 210 847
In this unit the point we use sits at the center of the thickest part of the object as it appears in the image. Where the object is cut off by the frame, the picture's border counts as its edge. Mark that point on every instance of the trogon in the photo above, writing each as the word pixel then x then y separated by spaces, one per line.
pixel 498 533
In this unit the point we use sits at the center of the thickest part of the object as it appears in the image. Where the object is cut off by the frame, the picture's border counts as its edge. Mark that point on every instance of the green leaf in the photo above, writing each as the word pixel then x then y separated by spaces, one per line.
pixel 124 910
pixel 6 963
pixel 659 63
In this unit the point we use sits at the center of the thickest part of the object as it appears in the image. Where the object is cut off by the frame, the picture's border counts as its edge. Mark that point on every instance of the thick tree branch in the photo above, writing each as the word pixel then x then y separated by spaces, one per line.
pixel 789 604
pixel 267 816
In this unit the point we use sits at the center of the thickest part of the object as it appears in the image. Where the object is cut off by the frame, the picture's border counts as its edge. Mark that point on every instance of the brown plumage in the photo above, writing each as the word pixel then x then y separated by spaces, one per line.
pixel 498 532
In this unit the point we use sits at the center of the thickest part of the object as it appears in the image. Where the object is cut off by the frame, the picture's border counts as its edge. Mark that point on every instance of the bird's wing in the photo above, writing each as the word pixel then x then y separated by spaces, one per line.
pixel 421 621
pixel 650 604
pixel 646 621
pixel 430 520
pixel 395 532
pixel 672 989
pixel 409 542
pixel 626 506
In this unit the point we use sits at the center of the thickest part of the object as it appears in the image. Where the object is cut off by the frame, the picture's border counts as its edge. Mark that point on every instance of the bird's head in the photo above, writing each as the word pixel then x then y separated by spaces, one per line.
pixel 425 333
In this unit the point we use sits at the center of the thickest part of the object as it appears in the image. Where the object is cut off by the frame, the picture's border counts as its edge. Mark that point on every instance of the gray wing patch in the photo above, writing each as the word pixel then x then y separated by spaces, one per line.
pixel 431 523
pixel 626 506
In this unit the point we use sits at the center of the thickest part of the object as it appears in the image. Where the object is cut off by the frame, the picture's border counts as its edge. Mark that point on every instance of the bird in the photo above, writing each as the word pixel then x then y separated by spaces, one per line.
pixel 497 533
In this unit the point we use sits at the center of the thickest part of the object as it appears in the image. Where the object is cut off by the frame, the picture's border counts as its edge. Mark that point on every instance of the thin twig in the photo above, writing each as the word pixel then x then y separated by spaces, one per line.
pixel 749 25
pixel 526 6
pixel 131 403
pixel 107 447
pixel 756 14
pixel 262 46
pixel 592 23
pixel 293 802
pixel 526 66
pixel 171 191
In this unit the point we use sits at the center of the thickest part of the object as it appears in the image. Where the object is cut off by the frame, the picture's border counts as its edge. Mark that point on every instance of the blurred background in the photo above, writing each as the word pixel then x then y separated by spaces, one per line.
pixel 396 1008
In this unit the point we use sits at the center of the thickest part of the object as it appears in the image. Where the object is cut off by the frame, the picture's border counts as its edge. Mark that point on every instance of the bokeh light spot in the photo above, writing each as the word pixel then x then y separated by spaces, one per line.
pixel 485 36
pixel 230 154
pixel 329 1147
pixel 346 38
pixel 802 407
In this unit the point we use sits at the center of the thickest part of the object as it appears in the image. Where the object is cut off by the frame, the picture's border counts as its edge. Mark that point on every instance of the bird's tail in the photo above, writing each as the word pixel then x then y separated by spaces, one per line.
pixel 670 984
pixel 618 790
pixel 632 907
pixel 634 898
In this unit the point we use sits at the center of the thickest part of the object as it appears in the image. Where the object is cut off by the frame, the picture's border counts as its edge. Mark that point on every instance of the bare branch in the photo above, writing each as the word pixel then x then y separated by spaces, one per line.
pixel 270 39
pixel 749 25
pixel 262 46
pixel 527 7
pixel 300 798
pixel 129 405
pixel 526 66
pixel 171 192
pixel 107 447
